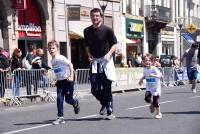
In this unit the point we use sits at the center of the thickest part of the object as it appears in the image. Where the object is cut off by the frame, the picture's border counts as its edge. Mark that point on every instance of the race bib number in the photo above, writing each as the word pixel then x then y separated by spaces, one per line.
pixel 57 70
pixel 151 83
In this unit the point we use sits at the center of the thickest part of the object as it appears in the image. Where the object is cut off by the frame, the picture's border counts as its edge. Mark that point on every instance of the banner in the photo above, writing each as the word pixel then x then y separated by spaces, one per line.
pixel 19 4
pixel 188 38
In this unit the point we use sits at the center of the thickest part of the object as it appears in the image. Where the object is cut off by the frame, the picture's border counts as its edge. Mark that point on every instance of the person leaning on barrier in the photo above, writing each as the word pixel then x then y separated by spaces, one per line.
pixel 192 57
pixel 156 61
pixel 38 63
pixel 100 45
pixel 16 66
pixel 4 67
pixel 28 74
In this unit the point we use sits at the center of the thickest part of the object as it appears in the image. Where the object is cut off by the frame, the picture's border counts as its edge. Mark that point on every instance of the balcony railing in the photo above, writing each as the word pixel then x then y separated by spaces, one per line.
pixel 157 13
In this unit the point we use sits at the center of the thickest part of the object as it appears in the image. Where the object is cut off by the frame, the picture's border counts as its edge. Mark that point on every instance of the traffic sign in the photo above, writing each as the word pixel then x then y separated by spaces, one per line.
pixel 192 28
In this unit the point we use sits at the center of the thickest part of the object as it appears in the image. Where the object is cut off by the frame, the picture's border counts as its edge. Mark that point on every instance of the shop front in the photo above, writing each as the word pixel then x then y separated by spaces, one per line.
pixel 168 41
pixel 79 19
pixel 31 29
pixel 134 32
pixel 4 37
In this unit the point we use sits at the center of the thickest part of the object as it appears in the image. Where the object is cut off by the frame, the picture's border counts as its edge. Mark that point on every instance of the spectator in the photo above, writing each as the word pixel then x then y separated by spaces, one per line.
pixel 16 64
pixel 138 60
pixel 38 63
pixel 28 74
pixel 4 67
pixel 175 62
pixel 130 60
pixel 156 61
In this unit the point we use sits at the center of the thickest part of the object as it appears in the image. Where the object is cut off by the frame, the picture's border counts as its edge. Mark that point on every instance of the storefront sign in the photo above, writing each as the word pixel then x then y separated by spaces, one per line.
pixel 19 4
pixel 30 30
pixel 85 12
pixel 30 22
pixel 134 28
pixel 74 13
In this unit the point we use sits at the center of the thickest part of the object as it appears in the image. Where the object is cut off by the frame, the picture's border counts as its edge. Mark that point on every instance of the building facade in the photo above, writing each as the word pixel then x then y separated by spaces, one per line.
pixel 23 23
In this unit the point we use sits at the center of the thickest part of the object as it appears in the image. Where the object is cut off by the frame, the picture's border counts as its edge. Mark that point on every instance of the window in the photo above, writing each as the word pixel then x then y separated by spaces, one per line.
pixel 128 6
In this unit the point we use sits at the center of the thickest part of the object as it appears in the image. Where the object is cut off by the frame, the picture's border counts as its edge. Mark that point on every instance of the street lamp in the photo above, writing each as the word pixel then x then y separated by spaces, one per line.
pixel 180 25
pixel 103 6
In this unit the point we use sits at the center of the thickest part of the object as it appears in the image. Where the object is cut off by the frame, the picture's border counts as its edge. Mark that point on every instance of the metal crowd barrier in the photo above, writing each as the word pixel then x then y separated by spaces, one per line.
pixel 41 83
pixel 128 78
pixel 27 84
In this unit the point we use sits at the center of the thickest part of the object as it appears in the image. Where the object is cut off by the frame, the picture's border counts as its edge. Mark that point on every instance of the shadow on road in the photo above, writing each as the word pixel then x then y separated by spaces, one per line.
pixel 50 121
pixel 135 118
pixel 186 112
pixel 179 92
pixel 36 123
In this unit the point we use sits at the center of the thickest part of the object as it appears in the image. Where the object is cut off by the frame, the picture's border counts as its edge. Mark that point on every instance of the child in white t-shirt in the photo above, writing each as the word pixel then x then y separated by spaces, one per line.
pixel 63 70
pixel 153 86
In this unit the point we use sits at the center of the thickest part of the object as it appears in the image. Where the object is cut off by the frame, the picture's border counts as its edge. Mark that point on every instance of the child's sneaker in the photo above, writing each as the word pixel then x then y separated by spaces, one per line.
pixel 158 116
pixel 59 120
pixel 194 90
pixel 152 108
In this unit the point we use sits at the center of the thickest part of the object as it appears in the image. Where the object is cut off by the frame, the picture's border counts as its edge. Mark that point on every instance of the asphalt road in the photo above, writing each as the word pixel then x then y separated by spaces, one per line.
pixel 180 108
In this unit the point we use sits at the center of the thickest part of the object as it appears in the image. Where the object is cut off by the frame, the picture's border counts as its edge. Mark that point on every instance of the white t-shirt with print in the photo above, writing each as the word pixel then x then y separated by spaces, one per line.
pixel 152 83
pixel 60 66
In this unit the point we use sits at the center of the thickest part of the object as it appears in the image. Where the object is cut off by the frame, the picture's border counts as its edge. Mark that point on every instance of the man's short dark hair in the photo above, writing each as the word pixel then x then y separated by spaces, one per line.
pixel 96 10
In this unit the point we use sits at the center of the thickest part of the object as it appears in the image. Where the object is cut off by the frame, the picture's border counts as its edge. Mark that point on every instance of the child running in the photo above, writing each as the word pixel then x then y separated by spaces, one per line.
pixel 63 70
pixel 153 87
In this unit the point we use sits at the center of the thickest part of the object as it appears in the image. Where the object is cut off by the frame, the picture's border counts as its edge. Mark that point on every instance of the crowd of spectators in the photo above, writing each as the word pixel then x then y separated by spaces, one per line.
pixel 20 74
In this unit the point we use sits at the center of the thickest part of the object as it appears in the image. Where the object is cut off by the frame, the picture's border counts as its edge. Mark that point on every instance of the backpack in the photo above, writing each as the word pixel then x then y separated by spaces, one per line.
pixel 25 63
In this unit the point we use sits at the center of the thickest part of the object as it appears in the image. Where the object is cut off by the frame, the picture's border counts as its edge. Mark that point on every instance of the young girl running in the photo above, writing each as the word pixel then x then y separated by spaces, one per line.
pixel 153 87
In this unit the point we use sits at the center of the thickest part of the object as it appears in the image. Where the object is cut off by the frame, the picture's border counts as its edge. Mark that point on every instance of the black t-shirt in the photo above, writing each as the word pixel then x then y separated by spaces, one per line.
pixel 99 40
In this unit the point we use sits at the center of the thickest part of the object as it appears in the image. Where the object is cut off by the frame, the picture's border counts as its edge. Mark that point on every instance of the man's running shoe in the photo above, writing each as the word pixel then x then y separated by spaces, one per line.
pixel 59 120
pixel 77 107
pixel 102 110
pixel 110 116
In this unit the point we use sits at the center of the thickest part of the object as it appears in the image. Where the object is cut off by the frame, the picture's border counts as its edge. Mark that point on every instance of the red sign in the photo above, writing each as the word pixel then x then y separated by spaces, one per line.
pixel 19 4
pixel 29 21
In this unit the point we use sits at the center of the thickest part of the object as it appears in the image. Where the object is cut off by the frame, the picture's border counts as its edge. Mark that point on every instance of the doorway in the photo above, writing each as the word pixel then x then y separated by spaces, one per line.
pixel 23 45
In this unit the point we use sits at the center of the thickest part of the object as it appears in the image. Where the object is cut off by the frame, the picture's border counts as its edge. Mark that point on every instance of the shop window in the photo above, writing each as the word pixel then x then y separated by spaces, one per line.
pixel 108 21
pixel 63 48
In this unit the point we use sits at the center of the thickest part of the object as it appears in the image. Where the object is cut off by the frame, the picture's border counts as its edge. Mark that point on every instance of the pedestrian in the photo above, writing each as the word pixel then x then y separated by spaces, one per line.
pixel 138 60
pixel 100 45
pixel 4 68
pixel 156 61
pixel 191 57
pixel 16 66
pixel 28 73
pixel 63 70
pixel 153 86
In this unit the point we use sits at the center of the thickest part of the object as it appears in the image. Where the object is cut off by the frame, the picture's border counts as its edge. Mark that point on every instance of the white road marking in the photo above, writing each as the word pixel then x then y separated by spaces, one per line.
pixel 46 125
pixel 149 105
pixel 194 97
pixel 88 116
pixel 26 129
